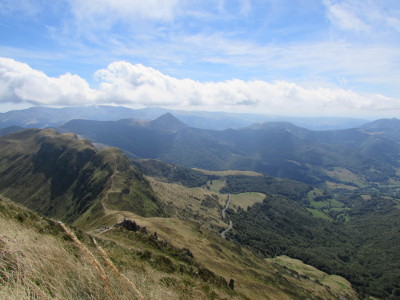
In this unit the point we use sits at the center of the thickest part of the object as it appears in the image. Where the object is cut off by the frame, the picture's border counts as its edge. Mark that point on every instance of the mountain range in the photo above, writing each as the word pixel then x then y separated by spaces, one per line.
pixel 43 117
pixel 353 157
pixel 329 198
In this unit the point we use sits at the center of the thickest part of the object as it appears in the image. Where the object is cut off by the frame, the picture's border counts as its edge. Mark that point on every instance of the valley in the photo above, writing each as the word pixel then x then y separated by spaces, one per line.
pixel 200 150
pixel 265 206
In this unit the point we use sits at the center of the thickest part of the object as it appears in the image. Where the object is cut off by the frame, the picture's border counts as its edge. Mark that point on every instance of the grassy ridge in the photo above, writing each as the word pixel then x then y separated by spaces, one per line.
pixel 64 177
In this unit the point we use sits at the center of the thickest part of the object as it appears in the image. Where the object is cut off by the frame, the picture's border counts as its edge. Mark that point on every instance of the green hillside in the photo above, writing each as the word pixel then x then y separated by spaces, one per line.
pixel 67 178
pixel 164 258
pixel 356 237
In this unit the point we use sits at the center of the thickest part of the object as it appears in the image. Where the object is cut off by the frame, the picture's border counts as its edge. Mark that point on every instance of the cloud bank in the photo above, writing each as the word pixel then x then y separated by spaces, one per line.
pixel 122 83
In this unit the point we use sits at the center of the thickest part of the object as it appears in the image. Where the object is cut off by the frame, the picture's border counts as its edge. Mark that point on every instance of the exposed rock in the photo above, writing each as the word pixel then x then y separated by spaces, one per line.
pixel 232 284
pixel 128 225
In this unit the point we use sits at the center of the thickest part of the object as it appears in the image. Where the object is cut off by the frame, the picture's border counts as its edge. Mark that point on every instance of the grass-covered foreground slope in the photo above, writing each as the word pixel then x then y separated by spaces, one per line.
pixel 254 277
pixel 67 178
pixel 44 259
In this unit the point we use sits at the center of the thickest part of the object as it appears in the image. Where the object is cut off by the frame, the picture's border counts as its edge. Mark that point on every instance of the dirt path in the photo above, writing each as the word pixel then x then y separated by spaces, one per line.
pixel 106 210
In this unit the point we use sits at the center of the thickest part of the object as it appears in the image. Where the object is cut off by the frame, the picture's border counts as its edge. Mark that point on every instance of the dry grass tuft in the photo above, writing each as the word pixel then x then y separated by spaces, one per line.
pixel 38 266
pixel 110 264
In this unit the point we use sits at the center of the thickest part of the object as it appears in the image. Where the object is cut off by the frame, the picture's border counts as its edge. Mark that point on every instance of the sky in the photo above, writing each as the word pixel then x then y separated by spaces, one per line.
pixel 286 57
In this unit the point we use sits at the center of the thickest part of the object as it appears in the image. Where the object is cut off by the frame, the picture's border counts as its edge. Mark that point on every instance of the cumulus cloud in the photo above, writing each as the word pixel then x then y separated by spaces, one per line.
pixel 20 83
pixel 122 83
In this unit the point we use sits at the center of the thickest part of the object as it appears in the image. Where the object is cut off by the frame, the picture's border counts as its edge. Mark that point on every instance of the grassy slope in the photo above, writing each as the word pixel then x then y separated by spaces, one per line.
pixel 64 177
pixel 254 277
pixel 40 260
pixel 245 200
pixel 302 270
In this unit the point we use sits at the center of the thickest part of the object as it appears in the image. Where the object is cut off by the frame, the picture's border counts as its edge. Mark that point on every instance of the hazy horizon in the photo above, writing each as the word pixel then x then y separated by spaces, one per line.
pixel 266 114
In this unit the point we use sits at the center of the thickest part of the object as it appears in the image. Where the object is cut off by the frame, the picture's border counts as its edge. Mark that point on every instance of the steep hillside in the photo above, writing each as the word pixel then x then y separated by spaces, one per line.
pixel 364 249
pixel 351 233
pixel 67 178
pixel 44 259
pixel 254 277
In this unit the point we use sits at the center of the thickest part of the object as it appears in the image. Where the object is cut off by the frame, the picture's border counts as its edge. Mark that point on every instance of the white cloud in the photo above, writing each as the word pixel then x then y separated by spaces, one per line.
pixel 138 85
pixel 131 11
pixel 345 16
pixel 20 83
pixel 368 16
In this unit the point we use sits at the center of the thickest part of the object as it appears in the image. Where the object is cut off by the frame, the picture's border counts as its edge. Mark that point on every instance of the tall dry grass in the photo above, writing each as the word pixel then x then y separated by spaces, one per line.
pixel 38 266
pixel 41 266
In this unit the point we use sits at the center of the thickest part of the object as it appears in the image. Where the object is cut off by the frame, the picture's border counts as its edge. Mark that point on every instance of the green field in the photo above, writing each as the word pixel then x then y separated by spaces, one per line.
pixel 244 200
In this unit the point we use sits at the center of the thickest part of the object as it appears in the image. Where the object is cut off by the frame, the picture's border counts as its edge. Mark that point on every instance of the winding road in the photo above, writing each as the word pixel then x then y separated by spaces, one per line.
pixel 226 206
pixel 223 233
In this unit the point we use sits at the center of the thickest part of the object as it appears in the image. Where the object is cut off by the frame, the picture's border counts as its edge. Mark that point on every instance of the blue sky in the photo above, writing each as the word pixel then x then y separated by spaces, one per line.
pixel 303 57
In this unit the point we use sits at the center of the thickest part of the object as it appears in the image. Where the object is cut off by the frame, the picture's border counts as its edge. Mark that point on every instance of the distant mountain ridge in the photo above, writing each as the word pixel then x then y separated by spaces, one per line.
pixel 275 148
pixel 10 129
pixel 43 117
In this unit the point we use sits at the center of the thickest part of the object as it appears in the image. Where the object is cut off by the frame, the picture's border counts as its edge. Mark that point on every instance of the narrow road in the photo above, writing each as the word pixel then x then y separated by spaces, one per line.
pixel 223 233
pixel 226 206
